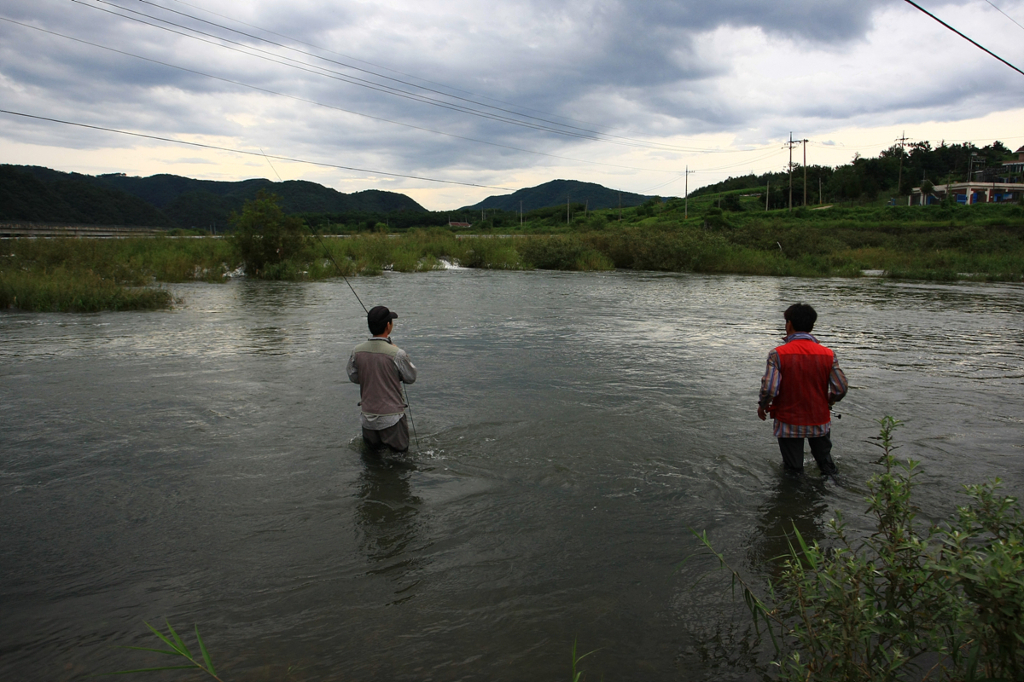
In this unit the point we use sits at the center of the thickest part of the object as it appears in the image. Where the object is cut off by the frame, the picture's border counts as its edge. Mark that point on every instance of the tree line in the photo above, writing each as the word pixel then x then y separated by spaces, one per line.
pixel 896 171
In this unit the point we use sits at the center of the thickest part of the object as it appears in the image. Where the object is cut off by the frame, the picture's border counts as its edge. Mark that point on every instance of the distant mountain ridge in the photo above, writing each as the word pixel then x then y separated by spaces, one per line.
pixel 34 193
pixel 557 192
pixel 38 194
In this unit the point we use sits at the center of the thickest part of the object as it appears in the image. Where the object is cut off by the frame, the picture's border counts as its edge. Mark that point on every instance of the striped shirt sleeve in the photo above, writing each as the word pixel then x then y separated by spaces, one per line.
pixel 837 383
pixel 771 381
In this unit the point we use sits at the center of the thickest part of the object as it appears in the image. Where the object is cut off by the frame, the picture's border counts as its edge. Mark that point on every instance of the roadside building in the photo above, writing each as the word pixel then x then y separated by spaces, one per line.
pixel 969 193
pixel 993 185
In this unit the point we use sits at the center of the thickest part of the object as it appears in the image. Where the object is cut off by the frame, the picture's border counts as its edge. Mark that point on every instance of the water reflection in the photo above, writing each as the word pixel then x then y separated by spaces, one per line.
pixel 272 297
pixel 795 502
pixel 388 516
pixel 268 340
pixel 271 301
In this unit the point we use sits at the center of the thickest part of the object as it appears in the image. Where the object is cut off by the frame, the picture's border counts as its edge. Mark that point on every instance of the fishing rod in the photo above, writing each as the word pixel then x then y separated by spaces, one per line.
pixel 341 272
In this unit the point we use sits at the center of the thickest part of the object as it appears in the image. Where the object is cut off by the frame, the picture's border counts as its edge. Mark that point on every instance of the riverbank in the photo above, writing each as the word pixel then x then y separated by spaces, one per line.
pixel 93 274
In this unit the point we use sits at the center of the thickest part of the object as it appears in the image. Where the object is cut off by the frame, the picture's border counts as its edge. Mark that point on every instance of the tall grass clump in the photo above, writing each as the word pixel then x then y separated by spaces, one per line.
pixel 560 252
pixel 57 275
pixel 59 290
pixel 905 602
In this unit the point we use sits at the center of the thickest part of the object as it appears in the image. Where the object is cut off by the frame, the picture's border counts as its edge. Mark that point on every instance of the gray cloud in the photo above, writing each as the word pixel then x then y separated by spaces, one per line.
pixel 654 70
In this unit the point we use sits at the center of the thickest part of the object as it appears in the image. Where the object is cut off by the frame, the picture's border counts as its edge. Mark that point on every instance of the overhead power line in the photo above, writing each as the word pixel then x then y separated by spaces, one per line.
pixel 367 71
pixel 1004 13
pixel 681 176
pixel 542 125
pixel 981 47
pixel 376 66
pixel 319 104
pixel 249 153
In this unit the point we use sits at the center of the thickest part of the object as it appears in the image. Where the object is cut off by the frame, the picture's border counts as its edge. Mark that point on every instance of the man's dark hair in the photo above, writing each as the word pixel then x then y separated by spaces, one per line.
pixel 377 327
pixel 802 316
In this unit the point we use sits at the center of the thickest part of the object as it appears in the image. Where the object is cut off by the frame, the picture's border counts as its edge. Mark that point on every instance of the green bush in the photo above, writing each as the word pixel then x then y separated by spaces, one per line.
pixel 270 243
pixel 904 603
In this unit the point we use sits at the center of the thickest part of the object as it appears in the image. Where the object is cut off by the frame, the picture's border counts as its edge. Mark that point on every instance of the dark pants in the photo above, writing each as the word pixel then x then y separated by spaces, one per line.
pixel 793 454
pixel 395 437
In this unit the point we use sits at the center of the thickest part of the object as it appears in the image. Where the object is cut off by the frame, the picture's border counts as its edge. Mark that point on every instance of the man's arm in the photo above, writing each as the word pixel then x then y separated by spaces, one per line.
pixel 837 383
pixel 351 369
pixel 406 370
pixel 770 383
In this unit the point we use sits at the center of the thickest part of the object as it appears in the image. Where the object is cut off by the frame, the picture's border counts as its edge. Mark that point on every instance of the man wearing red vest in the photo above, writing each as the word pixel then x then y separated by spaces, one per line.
pixel 800 385
pixel 380 367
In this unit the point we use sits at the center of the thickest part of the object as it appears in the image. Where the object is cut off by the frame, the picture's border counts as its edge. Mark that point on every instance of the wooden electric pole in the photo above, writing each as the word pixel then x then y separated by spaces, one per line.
pixel 805 171
pixel 790 145
pixel 899 181
pixel 686 195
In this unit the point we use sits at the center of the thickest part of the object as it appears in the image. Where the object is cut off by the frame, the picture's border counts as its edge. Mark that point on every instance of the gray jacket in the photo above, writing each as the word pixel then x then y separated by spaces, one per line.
pixel 380 367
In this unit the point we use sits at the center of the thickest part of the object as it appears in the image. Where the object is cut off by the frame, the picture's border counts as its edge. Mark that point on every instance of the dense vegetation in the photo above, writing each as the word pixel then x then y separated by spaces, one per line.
pixel 87 275
pixel 945 242
pixel 71 198
pixel 864 180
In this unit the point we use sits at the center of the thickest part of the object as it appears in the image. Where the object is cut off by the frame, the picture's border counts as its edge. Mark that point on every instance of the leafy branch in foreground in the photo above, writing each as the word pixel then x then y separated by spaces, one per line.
pixel 177 648
pixel 945 603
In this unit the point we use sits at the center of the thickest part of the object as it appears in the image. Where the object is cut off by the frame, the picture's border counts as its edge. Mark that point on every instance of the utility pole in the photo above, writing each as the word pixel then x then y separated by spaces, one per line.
pixel 686 200
pixel 566 209
pixel 899 182
pixel 767 193
pixel 520 213
pixel 805 171
pixel 970 174
pixel 790 145
pixel 620 205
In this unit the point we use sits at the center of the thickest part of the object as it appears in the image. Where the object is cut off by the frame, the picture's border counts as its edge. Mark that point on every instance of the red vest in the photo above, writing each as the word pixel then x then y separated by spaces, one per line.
pixel 803 393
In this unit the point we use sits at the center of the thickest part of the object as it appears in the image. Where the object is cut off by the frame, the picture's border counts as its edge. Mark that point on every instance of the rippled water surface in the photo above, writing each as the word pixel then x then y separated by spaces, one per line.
pixel 204 466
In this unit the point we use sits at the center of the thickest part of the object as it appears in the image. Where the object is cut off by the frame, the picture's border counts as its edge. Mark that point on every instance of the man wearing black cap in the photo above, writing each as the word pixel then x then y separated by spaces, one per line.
pixel 380 367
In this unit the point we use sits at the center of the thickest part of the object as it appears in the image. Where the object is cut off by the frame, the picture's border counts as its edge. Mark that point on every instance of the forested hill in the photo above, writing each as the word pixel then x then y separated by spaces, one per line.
pixel 37 194
pixel 40 195
pixel 558 192
pixel 865 179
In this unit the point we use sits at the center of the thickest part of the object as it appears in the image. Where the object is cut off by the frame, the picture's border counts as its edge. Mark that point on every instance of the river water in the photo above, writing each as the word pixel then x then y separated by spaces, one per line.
pixel 203 466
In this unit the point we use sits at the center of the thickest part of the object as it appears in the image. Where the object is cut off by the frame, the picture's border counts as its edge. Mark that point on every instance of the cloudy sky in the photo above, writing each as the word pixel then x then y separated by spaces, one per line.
pixel 454 100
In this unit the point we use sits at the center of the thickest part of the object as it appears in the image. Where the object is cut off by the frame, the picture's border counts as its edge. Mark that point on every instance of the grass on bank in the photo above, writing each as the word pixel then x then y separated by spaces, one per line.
pixel 943 243
pixel 89 275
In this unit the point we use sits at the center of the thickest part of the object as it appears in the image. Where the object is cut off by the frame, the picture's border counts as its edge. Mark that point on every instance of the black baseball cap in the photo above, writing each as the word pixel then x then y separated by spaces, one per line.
pixel 379 316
